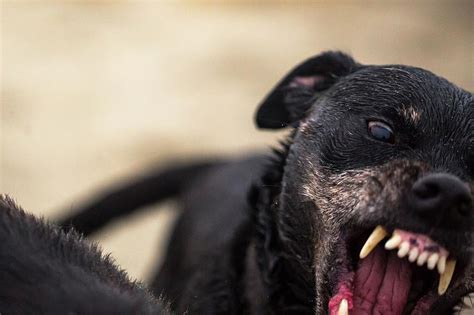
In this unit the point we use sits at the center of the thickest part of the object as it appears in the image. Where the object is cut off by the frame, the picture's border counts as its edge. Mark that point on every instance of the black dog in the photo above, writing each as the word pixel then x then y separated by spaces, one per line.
pixel 376 152
pixel 43 270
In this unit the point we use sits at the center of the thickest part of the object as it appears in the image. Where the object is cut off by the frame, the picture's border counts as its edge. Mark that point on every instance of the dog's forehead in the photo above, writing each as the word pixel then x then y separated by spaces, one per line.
pixel 428 114
pixel 406 91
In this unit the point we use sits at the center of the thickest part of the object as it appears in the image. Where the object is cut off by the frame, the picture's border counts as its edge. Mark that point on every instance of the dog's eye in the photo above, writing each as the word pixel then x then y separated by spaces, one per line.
pixel 381 131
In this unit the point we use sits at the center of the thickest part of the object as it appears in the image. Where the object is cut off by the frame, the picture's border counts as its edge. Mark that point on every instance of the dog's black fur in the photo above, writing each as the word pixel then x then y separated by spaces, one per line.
pixel 314 201
pixel 44 270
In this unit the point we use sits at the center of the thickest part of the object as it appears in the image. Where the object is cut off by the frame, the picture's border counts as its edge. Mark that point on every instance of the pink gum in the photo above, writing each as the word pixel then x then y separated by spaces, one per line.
pixel 422 242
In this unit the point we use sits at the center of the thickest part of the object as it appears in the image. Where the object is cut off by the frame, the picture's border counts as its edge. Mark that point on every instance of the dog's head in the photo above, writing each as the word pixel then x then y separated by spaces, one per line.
pixel 372 211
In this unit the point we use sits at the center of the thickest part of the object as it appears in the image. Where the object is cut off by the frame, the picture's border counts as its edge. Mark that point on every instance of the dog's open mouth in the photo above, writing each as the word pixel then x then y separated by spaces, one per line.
pixel 397 272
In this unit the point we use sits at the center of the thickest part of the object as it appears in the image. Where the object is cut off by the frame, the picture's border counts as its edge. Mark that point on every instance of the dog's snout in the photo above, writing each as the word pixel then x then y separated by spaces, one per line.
pixel 443 195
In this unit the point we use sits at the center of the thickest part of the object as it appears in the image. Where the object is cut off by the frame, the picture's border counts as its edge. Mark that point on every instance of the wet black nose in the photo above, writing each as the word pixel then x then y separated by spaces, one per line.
pixel 442 195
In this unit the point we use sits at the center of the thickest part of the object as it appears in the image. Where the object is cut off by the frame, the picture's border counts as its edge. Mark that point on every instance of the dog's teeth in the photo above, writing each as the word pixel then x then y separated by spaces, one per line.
pixel 422 259
pixel 445 278
pixel 432 261
pixel 343 308
pixel 404 249
pixel 377 235
pixel 413 254
pixel 467 301
pixel 441 264
pixel 393 242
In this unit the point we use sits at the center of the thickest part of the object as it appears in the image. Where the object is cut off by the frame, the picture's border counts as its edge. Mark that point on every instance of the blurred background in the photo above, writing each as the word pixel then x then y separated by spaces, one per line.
pixel 94 92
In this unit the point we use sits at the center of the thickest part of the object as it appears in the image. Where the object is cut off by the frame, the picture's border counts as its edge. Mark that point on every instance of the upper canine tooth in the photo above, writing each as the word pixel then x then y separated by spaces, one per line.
pixel 422 258
pixel 445 278
pixel 377 235
pixel 404 249
pixel 413 254
pixel 441 264
pixel 393 242
pixel 343 308
pixel 432 261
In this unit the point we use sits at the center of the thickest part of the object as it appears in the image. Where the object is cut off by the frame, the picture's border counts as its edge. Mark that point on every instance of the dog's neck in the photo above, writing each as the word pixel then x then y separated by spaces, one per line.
pixel 281 291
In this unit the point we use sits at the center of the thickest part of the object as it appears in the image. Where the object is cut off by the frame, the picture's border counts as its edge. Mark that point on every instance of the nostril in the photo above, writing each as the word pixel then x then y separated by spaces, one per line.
pixel 464 209
pixel 427 197
pixel 442 195
pixel 426 190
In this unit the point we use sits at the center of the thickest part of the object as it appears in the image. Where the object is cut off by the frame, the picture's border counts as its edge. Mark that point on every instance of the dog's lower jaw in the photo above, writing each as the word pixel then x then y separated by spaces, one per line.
pixel 331 268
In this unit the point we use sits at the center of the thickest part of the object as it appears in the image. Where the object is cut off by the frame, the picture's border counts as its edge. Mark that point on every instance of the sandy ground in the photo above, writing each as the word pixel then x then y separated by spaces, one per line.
pixel 94 92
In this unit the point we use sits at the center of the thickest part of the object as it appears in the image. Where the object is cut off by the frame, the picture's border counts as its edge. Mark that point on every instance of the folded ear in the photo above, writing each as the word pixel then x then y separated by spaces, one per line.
pixel 292 97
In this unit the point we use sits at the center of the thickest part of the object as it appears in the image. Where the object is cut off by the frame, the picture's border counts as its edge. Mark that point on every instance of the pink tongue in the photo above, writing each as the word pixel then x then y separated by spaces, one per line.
pixel 382 283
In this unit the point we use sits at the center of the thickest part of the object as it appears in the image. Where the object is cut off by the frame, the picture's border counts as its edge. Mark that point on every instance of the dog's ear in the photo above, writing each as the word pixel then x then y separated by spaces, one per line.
pixel 288 102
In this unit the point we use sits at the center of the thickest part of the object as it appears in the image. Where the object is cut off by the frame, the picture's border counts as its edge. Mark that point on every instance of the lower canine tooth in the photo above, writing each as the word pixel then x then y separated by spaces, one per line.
pixel 422 258
pixel 377 235
pixel 404 249
pixel 343 308
pixel 445 278
pixel 393 242
pixel 432 261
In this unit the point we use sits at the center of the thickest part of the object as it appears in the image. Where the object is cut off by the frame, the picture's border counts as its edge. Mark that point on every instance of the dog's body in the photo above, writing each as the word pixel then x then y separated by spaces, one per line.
pixel 46 271
pixel 215 208
pixel 384 147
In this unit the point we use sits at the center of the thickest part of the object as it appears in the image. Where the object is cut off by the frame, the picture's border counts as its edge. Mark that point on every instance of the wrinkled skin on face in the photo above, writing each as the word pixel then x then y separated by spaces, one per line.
pixel 340 182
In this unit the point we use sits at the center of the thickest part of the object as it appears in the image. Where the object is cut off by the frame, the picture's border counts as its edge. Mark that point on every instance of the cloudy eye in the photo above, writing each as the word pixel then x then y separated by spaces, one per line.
pixel 381 131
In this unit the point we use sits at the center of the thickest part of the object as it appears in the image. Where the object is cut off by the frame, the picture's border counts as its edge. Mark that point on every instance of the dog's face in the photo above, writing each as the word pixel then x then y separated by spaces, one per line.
pixel 376 198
